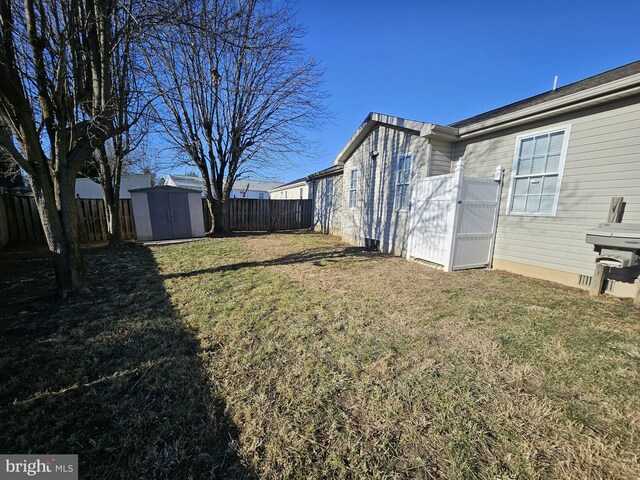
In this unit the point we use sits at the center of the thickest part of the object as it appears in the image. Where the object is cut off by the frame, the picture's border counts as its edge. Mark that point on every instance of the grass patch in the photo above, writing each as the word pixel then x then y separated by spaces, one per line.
pixel 294 355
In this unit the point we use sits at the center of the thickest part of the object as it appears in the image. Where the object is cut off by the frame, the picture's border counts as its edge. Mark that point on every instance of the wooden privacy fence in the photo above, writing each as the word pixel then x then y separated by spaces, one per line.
pixel 20 219
pixel 20 222
pixel 4 223
pixel 250 215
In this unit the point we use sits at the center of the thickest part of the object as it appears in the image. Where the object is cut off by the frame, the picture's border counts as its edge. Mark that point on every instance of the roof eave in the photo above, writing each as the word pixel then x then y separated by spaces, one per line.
pixel 369 123
pixel 624 87
pixel 327 172
pixel 301 183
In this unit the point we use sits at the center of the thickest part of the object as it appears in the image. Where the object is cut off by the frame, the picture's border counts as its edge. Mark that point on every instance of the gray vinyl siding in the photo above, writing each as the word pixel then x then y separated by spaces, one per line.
pixel 441 156
pixel 375 215
pixel 603 160
pixel 327 197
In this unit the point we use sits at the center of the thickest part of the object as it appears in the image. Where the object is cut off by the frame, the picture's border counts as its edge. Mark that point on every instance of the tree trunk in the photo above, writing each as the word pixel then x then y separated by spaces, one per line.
pixel 112 213
pixel 212 213
pixel 60 228
pixel 110 183
pixel 221 216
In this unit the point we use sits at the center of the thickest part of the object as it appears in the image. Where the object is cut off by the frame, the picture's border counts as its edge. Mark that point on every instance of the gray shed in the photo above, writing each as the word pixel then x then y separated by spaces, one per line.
pixel 165 212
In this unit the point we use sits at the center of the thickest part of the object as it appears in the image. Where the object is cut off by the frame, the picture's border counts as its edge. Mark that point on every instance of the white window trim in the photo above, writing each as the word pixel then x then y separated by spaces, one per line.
pixel 397 207
pixel 355 190
pixel 563 154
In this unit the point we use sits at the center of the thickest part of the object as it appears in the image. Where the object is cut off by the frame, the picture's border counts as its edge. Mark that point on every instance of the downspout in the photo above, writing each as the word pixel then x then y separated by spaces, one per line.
pixel 313 202
pixel 453 152
pixel 498 177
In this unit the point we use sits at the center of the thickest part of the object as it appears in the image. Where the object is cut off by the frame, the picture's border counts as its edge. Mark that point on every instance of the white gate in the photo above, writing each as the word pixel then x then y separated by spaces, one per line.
pixel 453 219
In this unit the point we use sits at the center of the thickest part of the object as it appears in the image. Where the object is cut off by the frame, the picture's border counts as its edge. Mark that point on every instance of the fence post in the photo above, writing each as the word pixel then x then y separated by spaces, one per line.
pixel 458 185
pixel 4 222
pixel 269 216
pixel 600 271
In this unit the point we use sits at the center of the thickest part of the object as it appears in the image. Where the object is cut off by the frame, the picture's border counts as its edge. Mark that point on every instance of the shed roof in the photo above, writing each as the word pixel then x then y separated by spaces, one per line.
pixel 193 182
pixel 163 188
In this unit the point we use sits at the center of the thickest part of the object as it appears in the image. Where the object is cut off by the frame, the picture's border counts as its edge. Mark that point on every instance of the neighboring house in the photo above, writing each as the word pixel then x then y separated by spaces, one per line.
pixel 295 190
pixel 243 188
pixel 326 192
pixel 565 153
pixel 88 188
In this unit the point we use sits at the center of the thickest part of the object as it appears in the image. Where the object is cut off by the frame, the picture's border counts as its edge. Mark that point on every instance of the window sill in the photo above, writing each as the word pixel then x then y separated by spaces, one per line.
pixel 544 215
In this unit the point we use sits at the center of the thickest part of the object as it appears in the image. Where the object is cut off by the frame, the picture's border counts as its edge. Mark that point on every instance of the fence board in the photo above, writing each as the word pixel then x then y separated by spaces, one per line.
pixel 12 219
pixel 21 229
pixel 124 224
pixel 20 221
pixel 82 220
pixel 28 228
pixel 129 217
pixel 252 215
pixel 103 221
pixel 4 222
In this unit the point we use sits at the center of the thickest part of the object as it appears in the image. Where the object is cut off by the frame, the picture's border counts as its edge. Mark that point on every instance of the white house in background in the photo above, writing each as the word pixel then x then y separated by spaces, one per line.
pixel 514 188
pixel 87 188
pixel 243 188
pixel 295 190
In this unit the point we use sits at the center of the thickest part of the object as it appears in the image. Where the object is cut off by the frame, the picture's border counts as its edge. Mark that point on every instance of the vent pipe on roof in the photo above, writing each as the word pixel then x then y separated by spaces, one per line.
pixel 555 82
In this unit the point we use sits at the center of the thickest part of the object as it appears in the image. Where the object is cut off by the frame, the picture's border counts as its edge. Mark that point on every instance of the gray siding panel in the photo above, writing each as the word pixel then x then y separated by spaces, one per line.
pixel 375 215
pixel 603 160
pixel 327 197
pixel 441 157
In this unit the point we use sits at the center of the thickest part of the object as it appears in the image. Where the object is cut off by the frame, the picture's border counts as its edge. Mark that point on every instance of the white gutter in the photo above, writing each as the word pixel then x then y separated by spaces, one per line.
pixel 440 132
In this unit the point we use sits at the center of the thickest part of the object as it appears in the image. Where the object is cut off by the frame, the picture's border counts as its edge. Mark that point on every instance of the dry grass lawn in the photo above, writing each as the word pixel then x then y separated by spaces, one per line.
pixel 296 356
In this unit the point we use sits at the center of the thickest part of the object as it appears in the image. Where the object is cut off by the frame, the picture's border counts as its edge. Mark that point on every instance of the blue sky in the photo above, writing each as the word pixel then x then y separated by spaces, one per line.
pixel 444 61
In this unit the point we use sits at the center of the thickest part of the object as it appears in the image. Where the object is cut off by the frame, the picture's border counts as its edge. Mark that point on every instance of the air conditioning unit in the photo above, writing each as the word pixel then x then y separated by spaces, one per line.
pixel 617 244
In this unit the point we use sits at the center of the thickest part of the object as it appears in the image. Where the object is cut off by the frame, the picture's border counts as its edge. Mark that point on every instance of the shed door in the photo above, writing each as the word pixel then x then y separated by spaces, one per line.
pixel 180 218
pixel 159 213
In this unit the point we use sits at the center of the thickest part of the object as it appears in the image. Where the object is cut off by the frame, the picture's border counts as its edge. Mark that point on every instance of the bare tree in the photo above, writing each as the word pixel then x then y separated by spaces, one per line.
pixel 130 100
pixel 237 89
pixel 55 97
